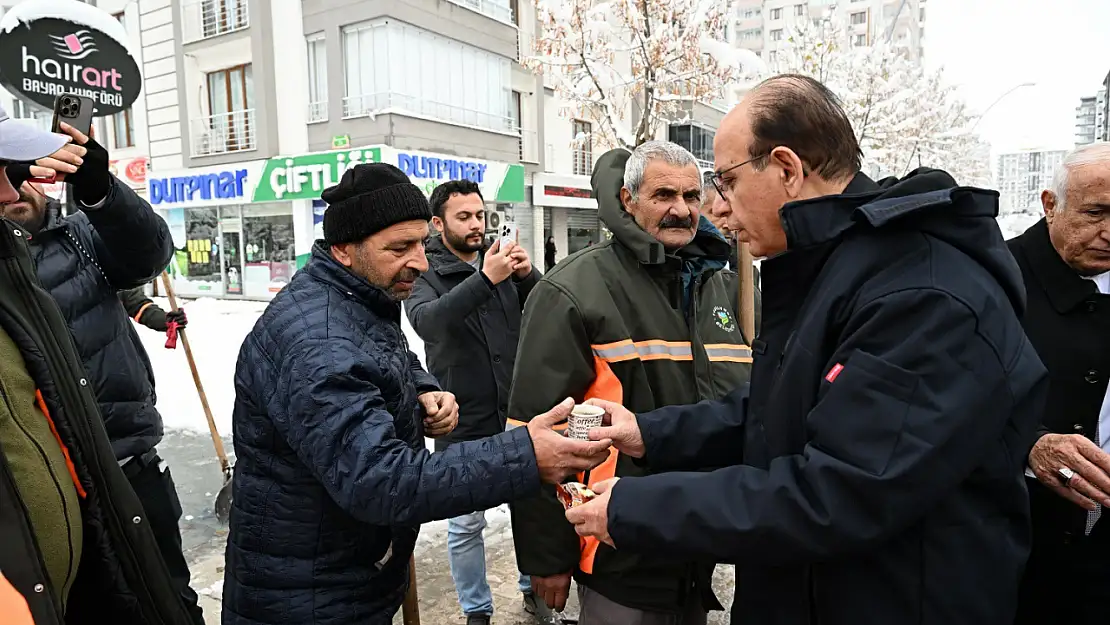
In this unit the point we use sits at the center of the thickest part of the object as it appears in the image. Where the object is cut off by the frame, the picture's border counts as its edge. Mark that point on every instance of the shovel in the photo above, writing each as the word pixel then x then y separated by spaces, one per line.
pixel 223 498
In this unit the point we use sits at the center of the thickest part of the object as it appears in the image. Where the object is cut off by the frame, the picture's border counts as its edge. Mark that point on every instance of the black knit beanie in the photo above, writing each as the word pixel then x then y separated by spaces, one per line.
pixel 370 198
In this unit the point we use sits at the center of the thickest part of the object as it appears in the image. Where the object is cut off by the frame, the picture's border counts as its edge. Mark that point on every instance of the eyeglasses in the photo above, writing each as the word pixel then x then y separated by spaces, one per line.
pixel 716 176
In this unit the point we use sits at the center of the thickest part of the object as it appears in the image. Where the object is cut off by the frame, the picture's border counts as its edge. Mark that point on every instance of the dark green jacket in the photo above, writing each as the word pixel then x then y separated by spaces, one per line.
pixel 121 578
pixel 610 322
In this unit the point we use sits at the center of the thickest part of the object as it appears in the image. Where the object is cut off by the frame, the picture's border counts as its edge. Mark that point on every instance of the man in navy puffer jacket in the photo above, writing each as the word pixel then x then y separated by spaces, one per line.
pixel 332 479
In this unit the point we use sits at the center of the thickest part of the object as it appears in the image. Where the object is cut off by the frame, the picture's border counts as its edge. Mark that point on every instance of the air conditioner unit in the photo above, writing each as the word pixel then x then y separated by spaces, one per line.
pixel 494 219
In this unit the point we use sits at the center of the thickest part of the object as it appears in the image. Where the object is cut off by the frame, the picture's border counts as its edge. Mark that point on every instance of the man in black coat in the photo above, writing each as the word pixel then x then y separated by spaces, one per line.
pixel 1065 260
pixel 467 309
pixel 114 242
pixel 331 409
pixel 77 544
pixel 872 470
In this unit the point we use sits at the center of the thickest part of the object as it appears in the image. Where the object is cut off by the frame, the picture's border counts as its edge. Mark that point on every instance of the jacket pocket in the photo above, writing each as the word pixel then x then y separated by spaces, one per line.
pixel 862 411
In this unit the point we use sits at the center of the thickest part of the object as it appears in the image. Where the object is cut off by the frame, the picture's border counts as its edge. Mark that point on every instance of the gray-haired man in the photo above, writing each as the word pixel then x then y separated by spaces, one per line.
pixel 648 316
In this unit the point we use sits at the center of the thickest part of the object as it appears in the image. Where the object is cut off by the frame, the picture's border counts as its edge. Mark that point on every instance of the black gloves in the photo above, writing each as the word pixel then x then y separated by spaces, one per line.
pixel 92 181
pixel 177 316
pixel 18 173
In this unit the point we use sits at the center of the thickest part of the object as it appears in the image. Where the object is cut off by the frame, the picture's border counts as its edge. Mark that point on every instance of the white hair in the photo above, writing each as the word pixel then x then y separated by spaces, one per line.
pixel 1090 154
pixel 670 153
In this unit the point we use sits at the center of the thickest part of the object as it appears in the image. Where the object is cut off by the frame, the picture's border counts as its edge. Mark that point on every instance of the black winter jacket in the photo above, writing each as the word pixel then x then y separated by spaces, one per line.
pixel 83 260
pixel 332 479
pixel 121 578
pixel 874 471
pixel 470 332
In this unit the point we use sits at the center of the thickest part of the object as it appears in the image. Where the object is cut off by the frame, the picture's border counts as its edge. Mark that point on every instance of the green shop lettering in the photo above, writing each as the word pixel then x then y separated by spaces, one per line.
pixel 306 176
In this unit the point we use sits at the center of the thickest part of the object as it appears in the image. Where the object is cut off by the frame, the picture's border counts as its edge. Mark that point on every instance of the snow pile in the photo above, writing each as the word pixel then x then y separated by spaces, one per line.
pixel 70 11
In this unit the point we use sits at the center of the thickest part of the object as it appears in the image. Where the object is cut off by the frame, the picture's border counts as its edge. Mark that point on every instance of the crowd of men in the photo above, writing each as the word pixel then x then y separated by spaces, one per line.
pixel 918 432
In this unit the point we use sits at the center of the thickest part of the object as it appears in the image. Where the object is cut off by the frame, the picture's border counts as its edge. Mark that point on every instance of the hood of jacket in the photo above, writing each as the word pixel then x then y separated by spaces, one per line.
pixel 607 181
pixel 926 200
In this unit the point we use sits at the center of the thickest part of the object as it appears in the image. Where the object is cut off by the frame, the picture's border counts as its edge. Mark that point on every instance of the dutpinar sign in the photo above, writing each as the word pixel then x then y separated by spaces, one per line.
pixel 304 177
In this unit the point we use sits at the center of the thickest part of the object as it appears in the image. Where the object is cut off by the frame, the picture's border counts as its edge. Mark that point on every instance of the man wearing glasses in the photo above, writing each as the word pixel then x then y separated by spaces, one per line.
pixel 872 472
pixel 647 318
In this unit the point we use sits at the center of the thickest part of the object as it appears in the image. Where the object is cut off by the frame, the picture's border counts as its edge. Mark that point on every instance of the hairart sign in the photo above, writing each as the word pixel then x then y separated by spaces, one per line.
pixel 51 47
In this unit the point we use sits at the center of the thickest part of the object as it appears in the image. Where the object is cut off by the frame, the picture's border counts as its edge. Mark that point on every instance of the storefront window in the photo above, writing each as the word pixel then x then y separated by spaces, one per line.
pixel 268 252
pixel 199 262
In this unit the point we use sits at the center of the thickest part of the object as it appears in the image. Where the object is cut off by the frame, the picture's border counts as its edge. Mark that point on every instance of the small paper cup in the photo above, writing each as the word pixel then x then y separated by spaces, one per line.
pixel 583 418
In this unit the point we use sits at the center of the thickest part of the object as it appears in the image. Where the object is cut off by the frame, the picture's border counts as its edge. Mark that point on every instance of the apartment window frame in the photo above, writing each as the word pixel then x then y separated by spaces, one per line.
pixel 227 16
pixel 776 34
pixel 859 41
pixel 776 14
pixel 128 135
pixel 862 18
pixel 582 154
pixel 233 141
pixel 316 45
pixel 799 10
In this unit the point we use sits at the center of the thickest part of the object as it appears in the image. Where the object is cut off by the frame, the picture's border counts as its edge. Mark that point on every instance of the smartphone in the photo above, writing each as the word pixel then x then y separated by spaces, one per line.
pixel 508 235
pixel 75 110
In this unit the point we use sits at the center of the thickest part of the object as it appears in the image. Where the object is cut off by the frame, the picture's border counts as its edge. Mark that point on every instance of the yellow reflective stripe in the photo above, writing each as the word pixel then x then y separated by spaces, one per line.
pixel 725 352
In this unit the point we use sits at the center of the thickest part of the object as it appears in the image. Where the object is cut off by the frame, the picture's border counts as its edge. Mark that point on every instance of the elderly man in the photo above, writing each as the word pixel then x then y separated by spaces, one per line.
pixel 331 409
pixel 873 470
pixel 1065 260
pixel 647 318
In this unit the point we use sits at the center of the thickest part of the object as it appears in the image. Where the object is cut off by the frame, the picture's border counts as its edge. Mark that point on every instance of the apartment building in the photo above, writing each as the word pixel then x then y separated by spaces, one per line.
pixel 1085 121
pixel 900 22
pixel 123 134
pixel 1023 175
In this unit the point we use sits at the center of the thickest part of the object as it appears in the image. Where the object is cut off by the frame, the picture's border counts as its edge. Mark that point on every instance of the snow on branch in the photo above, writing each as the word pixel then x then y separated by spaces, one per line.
pixel 904 116
pixel 631 66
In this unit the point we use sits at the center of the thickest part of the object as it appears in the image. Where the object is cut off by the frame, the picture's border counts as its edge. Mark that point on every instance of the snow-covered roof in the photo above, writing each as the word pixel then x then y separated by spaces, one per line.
pixel 70 11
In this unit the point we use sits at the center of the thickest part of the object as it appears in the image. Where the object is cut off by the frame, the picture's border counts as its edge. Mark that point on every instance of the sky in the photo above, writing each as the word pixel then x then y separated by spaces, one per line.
pixel 987 47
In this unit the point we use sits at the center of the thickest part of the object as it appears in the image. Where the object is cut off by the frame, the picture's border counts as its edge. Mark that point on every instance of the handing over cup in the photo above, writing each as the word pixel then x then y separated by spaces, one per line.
pixel 559 457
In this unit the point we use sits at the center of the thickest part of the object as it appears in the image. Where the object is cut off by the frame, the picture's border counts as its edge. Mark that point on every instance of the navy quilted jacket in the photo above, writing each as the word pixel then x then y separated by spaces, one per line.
pixel 332 478
pixel 83 260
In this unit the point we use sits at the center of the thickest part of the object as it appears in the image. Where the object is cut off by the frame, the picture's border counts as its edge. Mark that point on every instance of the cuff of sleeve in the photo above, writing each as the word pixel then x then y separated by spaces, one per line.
pixel 649 433
pixel 520 457
pixel 627 490
pixel 93 206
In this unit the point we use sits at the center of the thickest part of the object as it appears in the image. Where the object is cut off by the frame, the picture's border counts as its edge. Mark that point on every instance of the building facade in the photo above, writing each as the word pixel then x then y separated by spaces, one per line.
pixel 1021 177
pixel 1085 121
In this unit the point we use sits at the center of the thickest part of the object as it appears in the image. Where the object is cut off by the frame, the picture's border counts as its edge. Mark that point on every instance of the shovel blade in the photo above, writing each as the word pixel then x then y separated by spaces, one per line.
pixel 223 503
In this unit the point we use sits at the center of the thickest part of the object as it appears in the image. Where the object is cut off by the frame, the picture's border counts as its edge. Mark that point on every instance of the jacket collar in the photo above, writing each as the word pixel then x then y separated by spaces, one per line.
pixel 442 260
pixel 323 267
pixel 1065 288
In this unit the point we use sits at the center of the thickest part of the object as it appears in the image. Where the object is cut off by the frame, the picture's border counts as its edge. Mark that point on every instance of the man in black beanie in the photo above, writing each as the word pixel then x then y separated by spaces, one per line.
pixel 333 478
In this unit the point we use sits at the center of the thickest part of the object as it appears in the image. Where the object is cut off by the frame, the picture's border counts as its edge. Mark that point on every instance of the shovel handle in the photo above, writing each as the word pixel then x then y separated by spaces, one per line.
pixel 216 440
pixel 410 608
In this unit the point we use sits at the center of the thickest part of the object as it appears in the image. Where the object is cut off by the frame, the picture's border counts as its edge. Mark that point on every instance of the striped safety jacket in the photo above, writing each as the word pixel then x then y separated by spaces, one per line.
pixel 625 321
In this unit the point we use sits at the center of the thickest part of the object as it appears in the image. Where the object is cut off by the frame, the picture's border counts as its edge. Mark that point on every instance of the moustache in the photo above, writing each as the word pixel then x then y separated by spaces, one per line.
pixel 685 223
pixel 406 275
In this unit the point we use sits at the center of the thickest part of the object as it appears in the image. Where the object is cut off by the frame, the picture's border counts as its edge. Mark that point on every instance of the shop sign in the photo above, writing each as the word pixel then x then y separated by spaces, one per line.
pixel 130 170
pixel 306 176
pixel 562 191
pixel 500 182
pixel 341 142
pixel 50 47
pixel 222 186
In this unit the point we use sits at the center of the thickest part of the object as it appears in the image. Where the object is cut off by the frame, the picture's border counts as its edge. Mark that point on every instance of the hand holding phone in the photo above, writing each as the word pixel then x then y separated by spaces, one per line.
pixel 509 235
pixel 75 110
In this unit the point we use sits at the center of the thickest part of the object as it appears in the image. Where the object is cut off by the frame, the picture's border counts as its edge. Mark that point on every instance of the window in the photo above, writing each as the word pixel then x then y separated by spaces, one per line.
pixel 859 41
pixel 583 147
pixel 776 14
pixel 799 9
pixel 772 56
pixel 921 16
pixel 776 35
pixel 694 138
pixel 231 108
pixel 123 130
pixel 317 78
pixel 497 9
pixel 222 16
pixel 859 18
pixel 456 83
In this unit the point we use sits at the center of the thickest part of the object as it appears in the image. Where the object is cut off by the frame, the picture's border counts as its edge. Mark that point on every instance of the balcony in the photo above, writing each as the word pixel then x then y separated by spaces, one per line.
pixel 224 133
pixel 203 19
pixel 317 112
pixel 529 146
pixel 376 103
pixel 489 8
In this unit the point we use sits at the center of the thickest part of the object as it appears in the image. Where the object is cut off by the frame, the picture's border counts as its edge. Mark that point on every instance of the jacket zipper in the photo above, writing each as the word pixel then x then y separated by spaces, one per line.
pixel 61 497
pixel 69 396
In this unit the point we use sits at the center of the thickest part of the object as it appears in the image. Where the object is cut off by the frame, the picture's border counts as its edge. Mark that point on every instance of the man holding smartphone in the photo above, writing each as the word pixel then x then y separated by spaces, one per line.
pixel 467 309
pixel 113 242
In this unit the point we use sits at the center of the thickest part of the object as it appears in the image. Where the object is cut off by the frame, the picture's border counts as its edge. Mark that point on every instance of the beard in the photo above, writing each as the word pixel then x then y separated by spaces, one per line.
pixel 397 287
pixel 466 243
pixel 28 211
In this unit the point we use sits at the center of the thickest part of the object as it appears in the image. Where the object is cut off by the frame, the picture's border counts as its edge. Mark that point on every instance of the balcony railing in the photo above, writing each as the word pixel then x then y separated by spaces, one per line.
pixel 529 146
pixel 201 19
pixel 317 112
pixel 223 133
pixel 489 8
pixel 370 104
